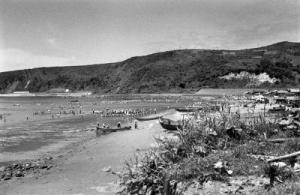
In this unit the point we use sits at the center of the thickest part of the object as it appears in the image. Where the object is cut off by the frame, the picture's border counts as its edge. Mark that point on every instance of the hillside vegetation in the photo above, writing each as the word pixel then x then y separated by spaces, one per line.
pixel 170 71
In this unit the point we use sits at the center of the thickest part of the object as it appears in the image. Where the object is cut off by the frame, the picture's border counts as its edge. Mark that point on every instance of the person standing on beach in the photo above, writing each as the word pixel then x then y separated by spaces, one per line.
pixel 135 125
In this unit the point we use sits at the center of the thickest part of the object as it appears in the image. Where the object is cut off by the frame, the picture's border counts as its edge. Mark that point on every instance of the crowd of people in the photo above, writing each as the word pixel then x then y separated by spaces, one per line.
pixel 107 126
pixel 2 117
pixel 125 112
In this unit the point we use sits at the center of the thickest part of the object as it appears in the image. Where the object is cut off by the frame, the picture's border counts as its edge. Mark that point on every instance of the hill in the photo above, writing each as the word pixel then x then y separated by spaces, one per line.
pixel 170 71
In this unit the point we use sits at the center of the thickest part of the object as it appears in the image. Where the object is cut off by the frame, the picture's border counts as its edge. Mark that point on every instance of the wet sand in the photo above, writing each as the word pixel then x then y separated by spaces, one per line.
pixel 79 170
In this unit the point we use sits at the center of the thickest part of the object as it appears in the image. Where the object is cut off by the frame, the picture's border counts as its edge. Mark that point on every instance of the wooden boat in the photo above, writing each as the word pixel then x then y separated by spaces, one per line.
pixel 188 109
pixel 147 118
pixel 100 130
pixel 74 100
pixel 169 124
pixel 277 109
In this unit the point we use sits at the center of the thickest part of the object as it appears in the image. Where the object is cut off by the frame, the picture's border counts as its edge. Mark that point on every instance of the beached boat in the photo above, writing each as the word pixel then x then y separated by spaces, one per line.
pixel 188 109
pixel 169 124
pixel 277 109
pixel 147 118
pixel 100 130
pixel 74 100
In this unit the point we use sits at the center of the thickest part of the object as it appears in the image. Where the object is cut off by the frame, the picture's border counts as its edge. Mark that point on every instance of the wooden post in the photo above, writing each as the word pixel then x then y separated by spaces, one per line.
pixel 265 109
pixel 284 157
pixel 167 187
pixel 272 174
pixel 280 140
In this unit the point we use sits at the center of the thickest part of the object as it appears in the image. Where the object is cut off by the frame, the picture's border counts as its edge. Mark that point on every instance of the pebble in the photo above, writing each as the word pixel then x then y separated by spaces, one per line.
pixel 49 158
pixel 44 166
pixel 27 166
pixel 106 169
pixel 218 165
pixel 49 167
pixel 19 174
pixel 7 176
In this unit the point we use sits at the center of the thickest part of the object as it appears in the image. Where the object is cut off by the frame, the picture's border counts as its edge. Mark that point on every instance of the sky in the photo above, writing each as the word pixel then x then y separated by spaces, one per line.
pixel 43 33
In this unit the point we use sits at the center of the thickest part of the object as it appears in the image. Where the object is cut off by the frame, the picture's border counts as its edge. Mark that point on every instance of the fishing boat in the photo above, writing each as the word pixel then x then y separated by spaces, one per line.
pixel 75 100
pixel 100 130
pixel 279 108
pixel 188 109
pixel 147 118
pixel 169 124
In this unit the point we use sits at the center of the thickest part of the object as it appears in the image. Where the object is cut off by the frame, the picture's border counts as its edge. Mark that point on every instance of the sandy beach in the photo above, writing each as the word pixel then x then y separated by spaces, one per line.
pixel 79 169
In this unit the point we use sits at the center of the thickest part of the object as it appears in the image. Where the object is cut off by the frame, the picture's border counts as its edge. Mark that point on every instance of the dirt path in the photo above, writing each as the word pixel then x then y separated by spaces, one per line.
pixel 82 172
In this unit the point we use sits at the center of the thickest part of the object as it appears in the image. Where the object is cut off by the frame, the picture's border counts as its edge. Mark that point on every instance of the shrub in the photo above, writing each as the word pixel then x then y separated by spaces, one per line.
pixel 202 142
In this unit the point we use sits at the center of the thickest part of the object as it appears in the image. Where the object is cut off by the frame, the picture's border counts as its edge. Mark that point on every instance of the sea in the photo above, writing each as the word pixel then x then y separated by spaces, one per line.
pixel 31 123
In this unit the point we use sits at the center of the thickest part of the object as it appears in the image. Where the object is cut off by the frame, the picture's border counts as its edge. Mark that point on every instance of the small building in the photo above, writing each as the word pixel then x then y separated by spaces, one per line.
pixel 282 92
pixel 260 99
pixel 295 92
pixel 256 92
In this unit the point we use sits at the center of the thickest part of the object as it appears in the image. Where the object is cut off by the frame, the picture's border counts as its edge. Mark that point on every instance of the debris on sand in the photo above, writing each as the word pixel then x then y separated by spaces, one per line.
pixel 21 169
pixel 106 169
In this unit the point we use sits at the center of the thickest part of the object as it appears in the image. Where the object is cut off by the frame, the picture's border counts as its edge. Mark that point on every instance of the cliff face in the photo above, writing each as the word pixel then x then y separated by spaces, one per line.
pixel 171 71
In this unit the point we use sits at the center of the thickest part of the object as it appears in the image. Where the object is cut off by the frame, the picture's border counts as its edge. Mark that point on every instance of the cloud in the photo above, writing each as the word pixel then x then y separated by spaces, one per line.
pixel 14 59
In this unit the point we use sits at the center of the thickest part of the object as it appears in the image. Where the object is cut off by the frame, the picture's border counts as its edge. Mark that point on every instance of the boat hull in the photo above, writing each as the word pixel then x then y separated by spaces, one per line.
pixel 187 109
pixel 147 118
pixel 169 124
pixel 100 131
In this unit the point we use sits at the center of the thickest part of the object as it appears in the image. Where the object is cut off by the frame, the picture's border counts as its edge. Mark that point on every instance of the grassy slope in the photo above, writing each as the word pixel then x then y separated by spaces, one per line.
pixel 171 71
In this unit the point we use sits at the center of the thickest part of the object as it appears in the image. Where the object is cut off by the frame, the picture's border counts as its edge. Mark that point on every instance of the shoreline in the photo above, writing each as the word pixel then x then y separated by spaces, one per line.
pixel 57 148
pixel 45 158
pixel 82 163
pixel 199 92
pixel 58 153
pixel 42 94
pixel 49 144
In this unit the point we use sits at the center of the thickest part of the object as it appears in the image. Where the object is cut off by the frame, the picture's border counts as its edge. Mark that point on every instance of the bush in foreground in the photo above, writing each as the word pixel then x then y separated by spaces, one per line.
pixel 204 150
